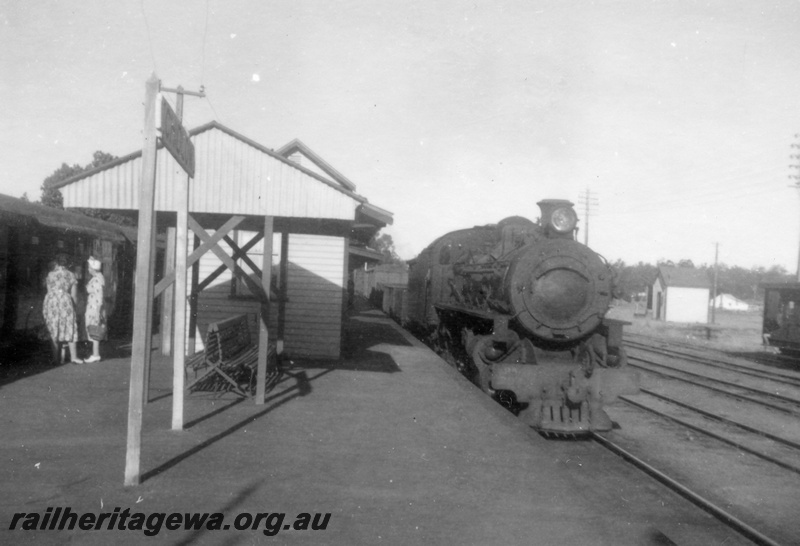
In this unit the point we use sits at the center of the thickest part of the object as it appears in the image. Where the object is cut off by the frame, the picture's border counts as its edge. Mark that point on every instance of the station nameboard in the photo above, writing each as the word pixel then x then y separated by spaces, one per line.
pixel 176 139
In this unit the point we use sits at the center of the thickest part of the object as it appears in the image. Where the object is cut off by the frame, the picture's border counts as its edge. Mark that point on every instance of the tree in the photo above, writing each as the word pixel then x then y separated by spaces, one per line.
pixel 632 279
pixel 385 245
pixel 51 197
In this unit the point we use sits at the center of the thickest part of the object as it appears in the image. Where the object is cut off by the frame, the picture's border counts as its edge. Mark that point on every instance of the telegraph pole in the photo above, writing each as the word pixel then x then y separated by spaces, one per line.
pixel 588 202
pixel 796 179
pixel 714 292
pixel 180 92
pixel 175 297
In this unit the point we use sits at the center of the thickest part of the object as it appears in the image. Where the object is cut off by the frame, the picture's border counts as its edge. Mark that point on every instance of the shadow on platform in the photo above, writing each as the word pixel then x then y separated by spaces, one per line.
pixel 301 387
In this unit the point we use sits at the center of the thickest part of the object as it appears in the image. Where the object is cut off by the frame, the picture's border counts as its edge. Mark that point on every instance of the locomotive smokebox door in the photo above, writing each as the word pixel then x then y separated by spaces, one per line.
pixel 559 290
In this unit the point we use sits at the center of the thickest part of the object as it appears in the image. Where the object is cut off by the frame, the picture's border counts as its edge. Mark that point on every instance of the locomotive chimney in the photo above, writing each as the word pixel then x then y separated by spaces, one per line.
pixel 558 218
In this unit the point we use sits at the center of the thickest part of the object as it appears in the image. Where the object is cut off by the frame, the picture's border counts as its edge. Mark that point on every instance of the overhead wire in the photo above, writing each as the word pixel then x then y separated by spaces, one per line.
pixel 203 66
pixel 718 193
pixel 656 206
pixel 203 54
pixel 691 200
pixel 149 37
pixel 711 195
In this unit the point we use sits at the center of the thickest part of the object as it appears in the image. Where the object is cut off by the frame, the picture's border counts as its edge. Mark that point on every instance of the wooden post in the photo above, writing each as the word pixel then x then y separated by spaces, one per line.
pixel 263 332
pixel 283 289
pixel 167 300
pixel 345 292
pixel 148 340
pixel 193 301
pixel 143 300
pixel 179 332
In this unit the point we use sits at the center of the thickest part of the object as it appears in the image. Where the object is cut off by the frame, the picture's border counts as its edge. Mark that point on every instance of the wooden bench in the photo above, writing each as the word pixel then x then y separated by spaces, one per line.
pixel 230 360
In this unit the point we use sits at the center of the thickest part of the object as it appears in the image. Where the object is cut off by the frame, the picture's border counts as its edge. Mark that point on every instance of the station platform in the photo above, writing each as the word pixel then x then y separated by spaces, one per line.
pixel 390 441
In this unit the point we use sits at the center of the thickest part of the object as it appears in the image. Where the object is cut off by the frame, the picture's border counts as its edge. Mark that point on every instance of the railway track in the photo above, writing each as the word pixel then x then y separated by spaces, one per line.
pixel 773 448
pixel 684 430
pixel 773 399
pixel 723 434
pixel 766 358
pixel 715 509
pixel 753 369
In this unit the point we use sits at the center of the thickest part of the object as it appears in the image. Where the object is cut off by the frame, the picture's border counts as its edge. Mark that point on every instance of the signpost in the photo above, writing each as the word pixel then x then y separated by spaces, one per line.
pixel 177 141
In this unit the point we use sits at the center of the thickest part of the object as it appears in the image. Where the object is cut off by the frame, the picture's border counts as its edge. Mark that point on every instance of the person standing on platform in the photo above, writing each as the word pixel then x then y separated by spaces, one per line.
pixel 95 307
pixel 58 309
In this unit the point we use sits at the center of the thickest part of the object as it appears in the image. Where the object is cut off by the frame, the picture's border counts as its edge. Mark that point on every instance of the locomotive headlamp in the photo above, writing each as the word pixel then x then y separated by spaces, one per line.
pixel 558 218
pixel 563 219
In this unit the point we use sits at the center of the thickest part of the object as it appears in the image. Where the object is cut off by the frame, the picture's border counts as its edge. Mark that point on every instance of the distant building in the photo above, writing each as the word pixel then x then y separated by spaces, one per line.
pixel 680 294
pixel 729 302
pixel 374 278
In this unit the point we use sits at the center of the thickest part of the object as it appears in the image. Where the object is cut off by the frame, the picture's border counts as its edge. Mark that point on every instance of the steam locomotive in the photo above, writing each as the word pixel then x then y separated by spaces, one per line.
pixel 519 307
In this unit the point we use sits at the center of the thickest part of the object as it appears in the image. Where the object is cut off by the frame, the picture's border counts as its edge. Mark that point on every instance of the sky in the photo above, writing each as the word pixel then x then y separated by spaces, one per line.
pixel 675 118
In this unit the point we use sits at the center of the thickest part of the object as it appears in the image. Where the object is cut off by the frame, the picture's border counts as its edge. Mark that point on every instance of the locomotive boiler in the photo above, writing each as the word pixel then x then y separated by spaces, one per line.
pixel 519 307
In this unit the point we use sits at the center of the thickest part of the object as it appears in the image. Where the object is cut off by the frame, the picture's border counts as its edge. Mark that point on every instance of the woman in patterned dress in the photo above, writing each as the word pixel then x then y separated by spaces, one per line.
pixel 95 308
pixel 59 309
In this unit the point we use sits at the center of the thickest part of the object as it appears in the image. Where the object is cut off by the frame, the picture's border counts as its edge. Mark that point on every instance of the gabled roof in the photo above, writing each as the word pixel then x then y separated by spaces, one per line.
pixel 195 132
pixel 297 145
pixel 234 174
pixel 686 277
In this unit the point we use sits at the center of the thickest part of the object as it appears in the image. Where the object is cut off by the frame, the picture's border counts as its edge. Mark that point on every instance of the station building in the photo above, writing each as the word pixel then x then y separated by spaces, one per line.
pixel 319 229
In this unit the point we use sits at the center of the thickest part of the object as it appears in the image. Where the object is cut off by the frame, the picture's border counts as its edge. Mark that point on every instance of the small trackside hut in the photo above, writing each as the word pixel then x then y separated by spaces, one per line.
pixel 248 206
pixel 680 294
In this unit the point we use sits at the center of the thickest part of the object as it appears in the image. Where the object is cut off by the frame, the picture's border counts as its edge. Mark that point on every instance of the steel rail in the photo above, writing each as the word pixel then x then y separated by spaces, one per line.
pixel 721 381
pixel 728 366
pixel 723 391
pixel 704 413
pixel 725 517
pixel 764 358
pixel 719 437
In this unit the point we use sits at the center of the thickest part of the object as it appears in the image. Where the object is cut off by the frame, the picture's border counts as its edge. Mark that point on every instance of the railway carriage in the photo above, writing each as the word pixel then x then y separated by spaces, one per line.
pixel 31 235
pixel 781 325
pixel 519 307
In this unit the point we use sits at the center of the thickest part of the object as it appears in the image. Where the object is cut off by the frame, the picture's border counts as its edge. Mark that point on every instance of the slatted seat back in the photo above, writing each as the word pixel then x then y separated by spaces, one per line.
pixel 228 338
